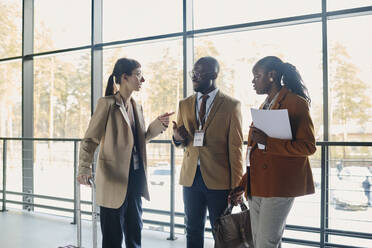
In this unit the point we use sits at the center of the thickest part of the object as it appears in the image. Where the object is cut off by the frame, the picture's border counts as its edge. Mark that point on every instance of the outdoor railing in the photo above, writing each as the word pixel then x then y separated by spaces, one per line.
pixel 324 231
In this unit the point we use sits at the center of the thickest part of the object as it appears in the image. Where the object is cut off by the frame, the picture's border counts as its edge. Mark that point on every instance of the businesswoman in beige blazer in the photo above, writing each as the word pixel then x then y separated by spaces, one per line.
pixel 118 126
pixel 281 171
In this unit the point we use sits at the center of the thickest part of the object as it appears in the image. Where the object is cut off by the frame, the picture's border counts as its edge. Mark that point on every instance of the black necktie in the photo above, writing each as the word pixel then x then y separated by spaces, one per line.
pixel 202 110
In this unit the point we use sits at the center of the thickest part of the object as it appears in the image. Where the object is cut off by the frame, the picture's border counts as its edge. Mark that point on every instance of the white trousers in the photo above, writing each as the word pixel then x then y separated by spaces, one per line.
pixel 268 218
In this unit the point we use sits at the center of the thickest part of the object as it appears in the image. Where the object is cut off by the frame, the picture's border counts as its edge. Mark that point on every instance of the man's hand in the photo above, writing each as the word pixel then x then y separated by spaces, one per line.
pixel 84 179
pixel 258 136
pixel 179 133
pixel 235 196
pixel 164 118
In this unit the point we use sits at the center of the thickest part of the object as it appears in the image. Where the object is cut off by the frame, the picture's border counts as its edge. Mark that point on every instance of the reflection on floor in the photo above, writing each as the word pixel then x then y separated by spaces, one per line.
pixel 20 229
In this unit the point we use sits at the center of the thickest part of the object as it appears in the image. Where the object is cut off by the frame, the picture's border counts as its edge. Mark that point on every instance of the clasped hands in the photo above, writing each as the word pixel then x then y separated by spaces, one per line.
pixel 179 133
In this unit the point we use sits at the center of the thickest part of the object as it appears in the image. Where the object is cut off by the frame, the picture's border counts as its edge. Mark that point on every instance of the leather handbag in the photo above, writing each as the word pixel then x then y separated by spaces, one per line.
pixel 233 230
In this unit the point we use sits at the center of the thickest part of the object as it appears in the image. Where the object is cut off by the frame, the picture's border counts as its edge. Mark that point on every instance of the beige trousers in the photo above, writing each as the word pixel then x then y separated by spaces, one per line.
pixel 268 218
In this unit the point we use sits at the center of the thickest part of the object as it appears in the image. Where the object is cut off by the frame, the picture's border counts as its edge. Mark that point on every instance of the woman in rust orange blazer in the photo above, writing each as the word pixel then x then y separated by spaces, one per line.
pixel 281 171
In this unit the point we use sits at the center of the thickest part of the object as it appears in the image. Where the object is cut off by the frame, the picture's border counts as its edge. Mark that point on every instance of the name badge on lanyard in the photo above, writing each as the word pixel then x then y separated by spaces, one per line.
pixel 199 138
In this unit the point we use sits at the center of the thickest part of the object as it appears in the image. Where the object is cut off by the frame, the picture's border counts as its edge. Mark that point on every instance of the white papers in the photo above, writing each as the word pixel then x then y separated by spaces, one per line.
pixel 275 123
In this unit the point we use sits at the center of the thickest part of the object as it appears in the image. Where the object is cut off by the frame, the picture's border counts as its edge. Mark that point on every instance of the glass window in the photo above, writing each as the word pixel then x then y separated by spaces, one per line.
pixel 11 124
pixel 11 99
pixel 238 52
pixel 350 81
pixel 61 24
pixel 124 20
pixel 62 95
pixel 350 193
pixel 161 64
pixel 347 4
pixel 10 28
pixel 210 13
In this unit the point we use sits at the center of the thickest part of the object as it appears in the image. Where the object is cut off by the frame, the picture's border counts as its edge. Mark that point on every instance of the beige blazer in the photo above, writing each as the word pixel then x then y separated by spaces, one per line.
pixel 110 128
pixel 221 161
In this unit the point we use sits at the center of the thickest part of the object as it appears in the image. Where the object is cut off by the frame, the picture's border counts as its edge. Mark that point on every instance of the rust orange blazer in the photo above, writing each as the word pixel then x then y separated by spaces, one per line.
pixel 283 168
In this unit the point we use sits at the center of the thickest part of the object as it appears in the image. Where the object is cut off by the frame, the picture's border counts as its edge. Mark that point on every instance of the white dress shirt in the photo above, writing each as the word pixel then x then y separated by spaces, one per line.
pixel 209 104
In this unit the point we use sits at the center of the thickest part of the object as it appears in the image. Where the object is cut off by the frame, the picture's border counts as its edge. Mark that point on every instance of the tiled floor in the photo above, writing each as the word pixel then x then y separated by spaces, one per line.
pixel 20 229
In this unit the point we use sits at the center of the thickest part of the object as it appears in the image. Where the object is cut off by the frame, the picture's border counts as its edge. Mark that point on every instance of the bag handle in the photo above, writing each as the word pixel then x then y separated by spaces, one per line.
pixel 230 207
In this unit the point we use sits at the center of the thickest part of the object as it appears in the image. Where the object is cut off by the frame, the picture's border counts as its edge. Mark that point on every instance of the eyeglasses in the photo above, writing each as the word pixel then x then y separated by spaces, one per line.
pixel 139 74
pixel 198 75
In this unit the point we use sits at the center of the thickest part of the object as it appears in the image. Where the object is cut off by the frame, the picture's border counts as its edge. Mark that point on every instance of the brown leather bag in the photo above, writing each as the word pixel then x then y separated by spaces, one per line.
pixel 233 230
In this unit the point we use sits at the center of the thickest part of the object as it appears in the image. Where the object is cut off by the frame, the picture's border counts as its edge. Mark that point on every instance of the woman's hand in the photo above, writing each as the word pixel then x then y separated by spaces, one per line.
pixel 235 196
pixel 164 118
pixel 84 179
pixel 258 136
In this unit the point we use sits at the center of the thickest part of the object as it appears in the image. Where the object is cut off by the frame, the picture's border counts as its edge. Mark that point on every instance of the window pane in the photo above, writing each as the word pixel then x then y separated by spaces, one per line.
pixel 161 64
pixel 238 52
pixel 62 95
pixel 54 166
pixel 10 28
pixel 61 24
pixel 13 171
pixel 210 13
pixel 350 192
pixel 124 20
pixel 11 99
pixel 347 4
pixel 11 124
pixel 350 83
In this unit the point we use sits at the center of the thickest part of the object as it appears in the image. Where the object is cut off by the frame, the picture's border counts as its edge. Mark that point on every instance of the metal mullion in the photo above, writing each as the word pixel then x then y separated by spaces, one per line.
pixel 40 206
pixel 345 13
pixel 137 40
pixel 323 208
pixel 41 54
pixel 302 228
pixel 300 242
pixel 343 143
pixel 349 234
pixel 10 59
pixel 325 149
pixel 40 139
pixel 333 245
pixel 96 52
pixel 4 175
pixel 188 45
pixel 295 20
pixel 41 196
pixel 27 98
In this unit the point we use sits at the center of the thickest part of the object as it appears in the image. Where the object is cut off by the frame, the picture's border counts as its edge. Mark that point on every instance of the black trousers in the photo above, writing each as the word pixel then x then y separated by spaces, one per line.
pixel 127 219
pixel 197 199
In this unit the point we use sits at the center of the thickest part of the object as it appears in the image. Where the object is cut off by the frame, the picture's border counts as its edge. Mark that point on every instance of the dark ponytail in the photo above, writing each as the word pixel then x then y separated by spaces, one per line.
pixel 110 86
pixel 122 66
pixel 287 74
pixel 293 81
